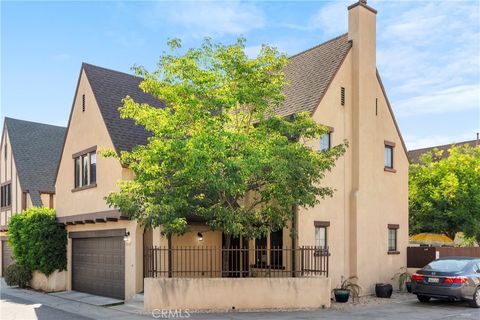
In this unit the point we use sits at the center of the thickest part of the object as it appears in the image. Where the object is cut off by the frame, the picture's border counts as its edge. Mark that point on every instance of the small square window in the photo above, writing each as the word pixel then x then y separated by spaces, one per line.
pixel 388 155
pixel 325 141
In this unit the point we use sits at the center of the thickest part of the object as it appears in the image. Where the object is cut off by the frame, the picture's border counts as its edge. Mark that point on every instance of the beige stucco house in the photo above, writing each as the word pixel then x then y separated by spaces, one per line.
pixel 364 226
pixel 29 155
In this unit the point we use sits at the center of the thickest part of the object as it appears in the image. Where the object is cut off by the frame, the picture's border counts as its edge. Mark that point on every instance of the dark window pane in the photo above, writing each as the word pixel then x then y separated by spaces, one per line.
pixel 77 172
pixel 447 265
pixel 93 168
pixel 84 170
pixel 276 244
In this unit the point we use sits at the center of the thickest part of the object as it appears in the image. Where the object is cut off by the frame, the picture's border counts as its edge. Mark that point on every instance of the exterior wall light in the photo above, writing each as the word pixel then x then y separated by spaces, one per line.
pixel 126 237
pixel 200 236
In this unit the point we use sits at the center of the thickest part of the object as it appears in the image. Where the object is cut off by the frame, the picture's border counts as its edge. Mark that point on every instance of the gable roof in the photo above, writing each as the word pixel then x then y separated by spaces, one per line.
pixel 109 88
pixel 308 74
pixel 414 155
pixel 36 150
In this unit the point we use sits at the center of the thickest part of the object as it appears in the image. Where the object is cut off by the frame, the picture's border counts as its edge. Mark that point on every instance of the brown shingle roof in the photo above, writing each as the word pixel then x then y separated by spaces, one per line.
pixel 310 73
pixel 414 155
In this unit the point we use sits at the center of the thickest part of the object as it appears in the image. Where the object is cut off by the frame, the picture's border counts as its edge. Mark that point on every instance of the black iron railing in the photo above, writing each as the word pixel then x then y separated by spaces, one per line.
pixel 214 262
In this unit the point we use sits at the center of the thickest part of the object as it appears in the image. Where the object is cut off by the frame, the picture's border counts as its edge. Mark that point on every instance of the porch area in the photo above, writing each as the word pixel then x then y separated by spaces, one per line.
pixel 236 278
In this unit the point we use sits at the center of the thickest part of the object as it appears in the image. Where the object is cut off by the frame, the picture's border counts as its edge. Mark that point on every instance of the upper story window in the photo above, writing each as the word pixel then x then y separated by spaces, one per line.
pixel 326 140
pixel 85 168
pixel 388 155
pixel 392 238
pixel 6 195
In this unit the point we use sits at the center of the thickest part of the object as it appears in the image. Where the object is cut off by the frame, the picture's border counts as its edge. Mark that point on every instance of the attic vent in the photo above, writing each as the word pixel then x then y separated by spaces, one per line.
pixel 342 96
pixel 376 106
pixel 83 103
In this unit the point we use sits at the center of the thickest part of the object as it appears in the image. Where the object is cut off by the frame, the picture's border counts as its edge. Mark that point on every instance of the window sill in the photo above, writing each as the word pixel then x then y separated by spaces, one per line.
pixel 393 252
pixel 6 208
pixel 94 185
pixel 389 169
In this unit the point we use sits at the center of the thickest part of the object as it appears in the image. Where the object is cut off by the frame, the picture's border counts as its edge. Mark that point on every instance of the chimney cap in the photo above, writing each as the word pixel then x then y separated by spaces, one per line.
pixel 364 4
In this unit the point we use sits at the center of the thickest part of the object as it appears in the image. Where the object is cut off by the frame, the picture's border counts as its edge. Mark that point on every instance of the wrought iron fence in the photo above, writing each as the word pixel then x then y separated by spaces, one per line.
pixel 214 262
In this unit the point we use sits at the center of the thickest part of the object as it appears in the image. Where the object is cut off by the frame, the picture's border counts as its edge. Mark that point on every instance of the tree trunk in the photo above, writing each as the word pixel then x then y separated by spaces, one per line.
pixel 226 256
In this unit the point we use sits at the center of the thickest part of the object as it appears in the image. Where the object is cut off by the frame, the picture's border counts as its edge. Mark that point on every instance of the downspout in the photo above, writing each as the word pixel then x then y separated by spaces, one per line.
pixel 293 236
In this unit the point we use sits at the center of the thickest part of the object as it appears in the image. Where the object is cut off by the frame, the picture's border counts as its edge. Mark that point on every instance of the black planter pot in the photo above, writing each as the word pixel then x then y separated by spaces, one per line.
pixel 341 295
pixel 383 290
pixel 408 285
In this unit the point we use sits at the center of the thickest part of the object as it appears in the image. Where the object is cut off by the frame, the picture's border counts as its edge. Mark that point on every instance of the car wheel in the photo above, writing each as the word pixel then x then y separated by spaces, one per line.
pixel 475 303
pixel 423 298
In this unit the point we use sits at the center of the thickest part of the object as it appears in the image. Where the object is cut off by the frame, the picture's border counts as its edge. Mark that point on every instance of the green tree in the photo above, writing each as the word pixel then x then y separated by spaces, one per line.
pixel 38 241
pixel 444 195
pixel 218 151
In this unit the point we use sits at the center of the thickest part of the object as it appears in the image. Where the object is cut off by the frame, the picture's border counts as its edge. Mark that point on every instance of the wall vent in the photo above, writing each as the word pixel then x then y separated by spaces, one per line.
pixel 342 96
pixel 376 106
pixel 83 103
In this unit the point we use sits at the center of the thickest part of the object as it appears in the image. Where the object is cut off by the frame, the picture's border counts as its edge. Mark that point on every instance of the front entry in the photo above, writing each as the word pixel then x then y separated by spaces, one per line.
pixel 236 258
pixel 98 265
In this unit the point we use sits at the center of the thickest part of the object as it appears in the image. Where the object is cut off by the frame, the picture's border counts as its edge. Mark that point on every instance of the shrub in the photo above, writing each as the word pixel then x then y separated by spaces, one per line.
pixel 38 241
pixel 17 275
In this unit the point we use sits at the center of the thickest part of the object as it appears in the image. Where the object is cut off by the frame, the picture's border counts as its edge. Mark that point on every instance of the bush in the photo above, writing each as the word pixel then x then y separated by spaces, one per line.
pixel 17 275
pixel 38 241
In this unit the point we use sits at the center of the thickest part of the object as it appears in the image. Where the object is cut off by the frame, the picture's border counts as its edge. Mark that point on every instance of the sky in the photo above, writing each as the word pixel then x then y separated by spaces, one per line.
pixel 428 52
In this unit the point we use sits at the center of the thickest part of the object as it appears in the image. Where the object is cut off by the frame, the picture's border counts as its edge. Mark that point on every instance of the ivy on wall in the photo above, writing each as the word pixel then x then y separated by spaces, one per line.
pixel 38 241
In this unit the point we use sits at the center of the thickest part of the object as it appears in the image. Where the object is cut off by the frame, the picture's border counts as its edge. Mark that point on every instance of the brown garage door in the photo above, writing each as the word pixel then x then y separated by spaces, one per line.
pixel 7 256
pixel 98 266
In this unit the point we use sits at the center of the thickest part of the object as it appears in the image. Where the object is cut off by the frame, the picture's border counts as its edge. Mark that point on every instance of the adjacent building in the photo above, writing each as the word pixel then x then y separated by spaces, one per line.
pixel 364 226
pixel 29 156
pixel 415 154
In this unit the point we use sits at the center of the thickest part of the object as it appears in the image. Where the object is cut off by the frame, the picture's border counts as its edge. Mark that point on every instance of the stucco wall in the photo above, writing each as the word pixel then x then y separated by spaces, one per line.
pixel 86 129
pixel 367 198
pixel 55 282
pixel 133 253
pixel 238 294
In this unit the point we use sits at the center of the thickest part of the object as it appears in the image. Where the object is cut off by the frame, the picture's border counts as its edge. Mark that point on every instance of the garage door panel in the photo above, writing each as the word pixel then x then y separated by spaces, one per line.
pixel 98 266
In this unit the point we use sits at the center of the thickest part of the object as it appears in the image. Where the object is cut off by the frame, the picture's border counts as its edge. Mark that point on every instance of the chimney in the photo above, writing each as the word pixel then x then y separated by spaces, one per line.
pixel 362 34
pixel 477 143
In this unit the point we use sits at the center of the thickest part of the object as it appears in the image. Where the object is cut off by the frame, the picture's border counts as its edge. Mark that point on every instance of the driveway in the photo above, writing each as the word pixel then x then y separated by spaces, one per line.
pixel 409 309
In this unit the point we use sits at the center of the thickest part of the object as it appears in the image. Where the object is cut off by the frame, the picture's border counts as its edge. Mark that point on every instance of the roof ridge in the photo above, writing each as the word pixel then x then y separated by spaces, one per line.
pixel 444 145
pixel 318 45
pixel 110 70
pixel 34 122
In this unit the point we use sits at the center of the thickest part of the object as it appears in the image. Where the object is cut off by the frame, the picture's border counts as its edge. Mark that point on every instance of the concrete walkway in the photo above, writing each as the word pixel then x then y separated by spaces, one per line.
pixel 81 309
pixel 87 298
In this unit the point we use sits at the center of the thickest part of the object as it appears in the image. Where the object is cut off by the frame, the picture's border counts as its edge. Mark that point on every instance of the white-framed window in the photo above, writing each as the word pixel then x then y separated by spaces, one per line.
pixel 321 237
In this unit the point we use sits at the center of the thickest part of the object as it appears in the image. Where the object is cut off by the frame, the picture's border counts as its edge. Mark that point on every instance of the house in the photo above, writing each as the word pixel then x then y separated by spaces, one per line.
pixel 362 230
pixel 29 155
pixel 414 155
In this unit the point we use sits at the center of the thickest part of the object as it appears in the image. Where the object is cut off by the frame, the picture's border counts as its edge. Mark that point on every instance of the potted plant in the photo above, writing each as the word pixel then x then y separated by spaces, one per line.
pixel 348 286
pixel 383 290
pixel 404 278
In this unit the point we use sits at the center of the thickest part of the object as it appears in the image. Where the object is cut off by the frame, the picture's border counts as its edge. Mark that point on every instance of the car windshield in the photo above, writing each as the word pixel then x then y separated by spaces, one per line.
pixel 447 265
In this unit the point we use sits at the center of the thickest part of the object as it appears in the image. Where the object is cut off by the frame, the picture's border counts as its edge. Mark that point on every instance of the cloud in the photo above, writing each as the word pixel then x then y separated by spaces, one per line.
pixel 331 19
pixel 200 19
pixel 454 99
pixel 416 142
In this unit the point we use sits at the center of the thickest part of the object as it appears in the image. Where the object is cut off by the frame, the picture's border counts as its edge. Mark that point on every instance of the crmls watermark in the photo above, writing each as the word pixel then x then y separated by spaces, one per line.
pixel 171 314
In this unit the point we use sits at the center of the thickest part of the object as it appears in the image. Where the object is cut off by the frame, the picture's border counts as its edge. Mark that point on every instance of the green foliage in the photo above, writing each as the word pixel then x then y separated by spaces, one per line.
pixel 17 275
pixel 402 277
pixel 38 241
pixel 444 195
pixel 351 285
pixel 218 150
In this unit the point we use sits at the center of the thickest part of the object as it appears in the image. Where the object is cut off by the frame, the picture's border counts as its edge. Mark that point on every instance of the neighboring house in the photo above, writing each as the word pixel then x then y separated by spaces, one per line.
pixel 364 225
pixel 414 155
pixel 29 156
